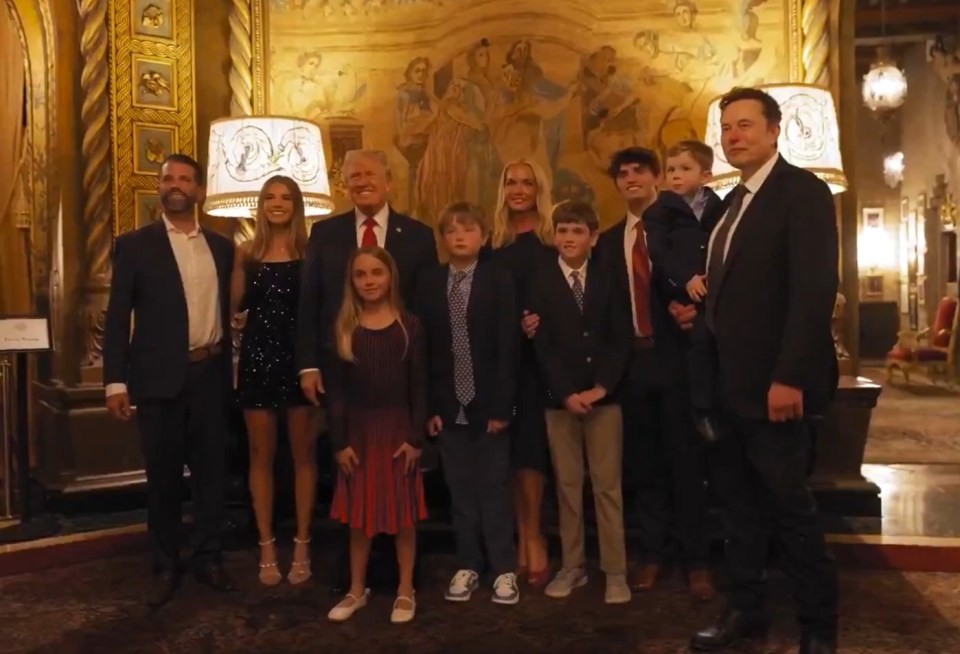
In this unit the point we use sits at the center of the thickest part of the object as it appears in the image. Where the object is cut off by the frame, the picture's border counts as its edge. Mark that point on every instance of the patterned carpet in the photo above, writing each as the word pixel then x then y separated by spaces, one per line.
pixel 96 607
pixel 913 423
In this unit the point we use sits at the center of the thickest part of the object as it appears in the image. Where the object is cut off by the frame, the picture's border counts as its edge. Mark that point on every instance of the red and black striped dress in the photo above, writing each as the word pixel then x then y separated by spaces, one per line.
pixel 375 404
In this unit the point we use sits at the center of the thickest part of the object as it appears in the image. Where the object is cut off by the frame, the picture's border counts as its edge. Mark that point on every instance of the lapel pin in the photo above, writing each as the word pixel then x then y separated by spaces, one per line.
pixel 398 229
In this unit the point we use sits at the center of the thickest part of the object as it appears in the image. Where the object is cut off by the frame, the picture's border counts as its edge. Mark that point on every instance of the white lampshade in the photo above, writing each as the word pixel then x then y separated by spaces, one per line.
pixel 809 136
pixel 246 151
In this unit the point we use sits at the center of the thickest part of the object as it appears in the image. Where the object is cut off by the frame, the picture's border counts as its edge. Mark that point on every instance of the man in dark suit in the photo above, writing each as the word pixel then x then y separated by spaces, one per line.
pixel 173 278
pixel 662 453
pixel 772 281
pixel 370 223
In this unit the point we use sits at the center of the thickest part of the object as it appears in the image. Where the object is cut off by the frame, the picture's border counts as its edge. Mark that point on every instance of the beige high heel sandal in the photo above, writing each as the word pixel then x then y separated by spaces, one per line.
pixel 269 572
pixel 299 570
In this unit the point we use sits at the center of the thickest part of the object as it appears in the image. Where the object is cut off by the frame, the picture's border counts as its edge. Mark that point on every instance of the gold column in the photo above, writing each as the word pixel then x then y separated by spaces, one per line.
pixel 815 47
pixel 97 168
pixel 241 80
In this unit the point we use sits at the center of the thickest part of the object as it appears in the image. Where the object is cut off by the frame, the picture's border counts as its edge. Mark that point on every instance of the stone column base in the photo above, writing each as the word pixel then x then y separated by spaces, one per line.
pixel 80 448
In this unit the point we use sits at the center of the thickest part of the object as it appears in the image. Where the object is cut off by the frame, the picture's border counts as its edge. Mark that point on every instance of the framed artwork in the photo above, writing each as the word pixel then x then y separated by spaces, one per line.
pixel 872 217
pixel 152 143
pixel 874 286
pixel 154 83
pixel 147 208
pixel 153 20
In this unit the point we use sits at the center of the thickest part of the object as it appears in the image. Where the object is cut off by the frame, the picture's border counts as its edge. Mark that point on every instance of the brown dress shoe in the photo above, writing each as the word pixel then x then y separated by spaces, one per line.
pixel 644 577
pixel 701 585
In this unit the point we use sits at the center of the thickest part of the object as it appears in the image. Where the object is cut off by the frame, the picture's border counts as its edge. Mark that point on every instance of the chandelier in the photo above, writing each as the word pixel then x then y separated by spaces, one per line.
pixel 884 86
pixel 893 169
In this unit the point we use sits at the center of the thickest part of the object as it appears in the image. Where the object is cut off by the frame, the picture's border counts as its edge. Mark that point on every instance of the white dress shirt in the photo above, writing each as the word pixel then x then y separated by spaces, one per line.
pixel 752 185
pixel 629 238
pixel 380 229
pixel 568 273
pixel 201 289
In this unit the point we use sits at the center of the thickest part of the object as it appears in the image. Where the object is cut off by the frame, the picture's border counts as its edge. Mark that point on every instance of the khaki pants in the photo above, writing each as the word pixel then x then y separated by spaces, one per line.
pixel 601 434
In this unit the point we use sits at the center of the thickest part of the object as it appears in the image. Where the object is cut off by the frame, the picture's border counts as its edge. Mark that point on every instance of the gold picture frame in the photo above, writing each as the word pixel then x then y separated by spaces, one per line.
pixel 146 207
pixel 154 82
pixel 153 20
pixel 152 142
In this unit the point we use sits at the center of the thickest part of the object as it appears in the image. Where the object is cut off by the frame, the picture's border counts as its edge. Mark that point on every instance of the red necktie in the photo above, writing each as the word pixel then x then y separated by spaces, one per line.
pixel 641 282
pixel 369 239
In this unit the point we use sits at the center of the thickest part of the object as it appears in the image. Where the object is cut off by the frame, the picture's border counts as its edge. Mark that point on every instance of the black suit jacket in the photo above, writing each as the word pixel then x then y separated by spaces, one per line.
pixel 663 365
pixel 775 297
pixel 494 344
pixel 332 240
pixel 578 351
pixel 147 284
pixel 678 240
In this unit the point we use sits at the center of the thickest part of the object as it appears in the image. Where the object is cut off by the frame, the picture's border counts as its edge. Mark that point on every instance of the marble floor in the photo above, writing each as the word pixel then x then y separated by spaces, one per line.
pixel 96 607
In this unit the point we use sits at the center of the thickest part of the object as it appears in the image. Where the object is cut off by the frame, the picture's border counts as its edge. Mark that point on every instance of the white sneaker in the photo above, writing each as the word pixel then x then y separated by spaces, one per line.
pixel 400 615
pixel 565 581
pixel 618 592
pixel 505 590
pixel 348 606
pixel 462 586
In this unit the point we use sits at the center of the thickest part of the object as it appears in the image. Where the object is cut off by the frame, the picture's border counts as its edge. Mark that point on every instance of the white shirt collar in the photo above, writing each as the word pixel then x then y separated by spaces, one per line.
pixel 755 182
pixel 173 228
pixel 582 270
pixel 380 217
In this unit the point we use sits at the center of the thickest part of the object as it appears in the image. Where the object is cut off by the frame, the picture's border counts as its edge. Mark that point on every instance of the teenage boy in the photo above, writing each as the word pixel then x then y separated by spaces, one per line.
pixel 663 452
pixel 679 223
pixel 469 312
pixel 582 345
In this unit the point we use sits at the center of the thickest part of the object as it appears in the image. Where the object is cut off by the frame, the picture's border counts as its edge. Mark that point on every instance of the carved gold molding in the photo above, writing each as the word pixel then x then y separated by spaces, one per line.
pixel 815 45
pixel 152 99
pixel 41 170
pixel 95 148
pixel 241 80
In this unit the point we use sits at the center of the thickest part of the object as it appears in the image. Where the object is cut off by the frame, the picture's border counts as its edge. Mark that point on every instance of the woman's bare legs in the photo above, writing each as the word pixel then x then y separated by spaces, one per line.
pixel 262 438
pixel 302 427
pixel 528 499
pixel 406 544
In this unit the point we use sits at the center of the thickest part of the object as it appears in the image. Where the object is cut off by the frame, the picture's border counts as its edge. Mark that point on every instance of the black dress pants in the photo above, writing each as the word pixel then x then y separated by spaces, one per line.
pixel 189 429
pixel 476 467
pixel 664 459
pixel 759 471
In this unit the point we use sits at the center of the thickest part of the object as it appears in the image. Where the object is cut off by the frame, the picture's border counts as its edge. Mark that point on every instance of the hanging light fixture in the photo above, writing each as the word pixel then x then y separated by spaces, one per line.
pixel 893 169
pixel 885 85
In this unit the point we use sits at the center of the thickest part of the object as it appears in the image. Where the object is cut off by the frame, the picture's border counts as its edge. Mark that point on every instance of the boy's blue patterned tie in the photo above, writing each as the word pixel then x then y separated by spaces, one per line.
pixel 462 364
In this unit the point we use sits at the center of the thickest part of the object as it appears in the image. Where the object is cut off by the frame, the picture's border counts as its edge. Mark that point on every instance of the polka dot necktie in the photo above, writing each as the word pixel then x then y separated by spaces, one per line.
pixel 462 363
pixel 577 287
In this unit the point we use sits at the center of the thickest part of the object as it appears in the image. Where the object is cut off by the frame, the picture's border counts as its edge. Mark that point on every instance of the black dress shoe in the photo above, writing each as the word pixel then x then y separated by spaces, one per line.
pixel 214 576
pixel 730 628
pixel 165 584
pixel 812 643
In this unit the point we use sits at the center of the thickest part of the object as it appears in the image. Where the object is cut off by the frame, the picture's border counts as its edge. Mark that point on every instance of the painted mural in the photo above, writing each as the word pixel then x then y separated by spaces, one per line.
pixel 452 89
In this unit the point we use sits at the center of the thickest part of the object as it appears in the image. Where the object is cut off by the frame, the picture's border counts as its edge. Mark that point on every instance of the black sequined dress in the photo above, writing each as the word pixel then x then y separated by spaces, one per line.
pixel 267 377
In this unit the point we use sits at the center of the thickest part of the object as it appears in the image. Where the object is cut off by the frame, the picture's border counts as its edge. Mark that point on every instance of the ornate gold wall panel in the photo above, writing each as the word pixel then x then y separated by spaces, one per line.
pixel 451 91
pixel 37 36
pixel 151 91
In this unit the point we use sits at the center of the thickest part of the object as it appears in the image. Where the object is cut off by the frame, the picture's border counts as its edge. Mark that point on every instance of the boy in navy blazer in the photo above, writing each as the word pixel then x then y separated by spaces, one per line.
pixel 582 345
pixel 469 313
pixel 679 224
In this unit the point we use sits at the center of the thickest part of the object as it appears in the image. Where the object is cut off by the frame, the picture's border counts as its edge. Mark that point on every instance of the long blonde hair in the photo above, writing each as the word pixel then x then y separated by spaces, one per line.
pixel 503 232
pixel 297 233
pixel 348 319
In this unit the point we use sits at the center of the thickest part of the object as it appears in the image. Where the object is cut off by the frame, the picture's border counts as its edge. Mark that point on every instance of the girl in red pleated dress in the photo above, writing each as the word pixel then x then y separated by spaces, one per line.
pixel 376 393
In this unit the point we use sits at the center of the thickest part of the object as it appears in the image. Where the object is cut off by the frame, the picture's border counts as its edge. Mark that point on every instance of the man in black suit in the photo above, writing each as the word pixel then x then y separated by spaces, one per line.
pixel 370 223
pixel 469 312
pixel 772 281
pixel 173 278
pixel 662 453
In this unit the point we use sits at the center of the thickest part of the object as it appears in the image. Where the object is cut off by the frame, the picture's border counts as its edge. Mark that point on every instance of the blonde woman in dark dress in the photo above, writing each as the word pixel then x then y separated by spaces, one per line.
pixel 266 284
pixel 522 232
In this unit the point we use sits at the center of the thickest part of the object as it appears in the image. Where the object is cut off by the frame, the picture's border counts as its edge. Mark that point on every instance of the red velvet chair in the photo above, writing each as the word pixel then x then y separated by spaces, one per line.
pixel 931 350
